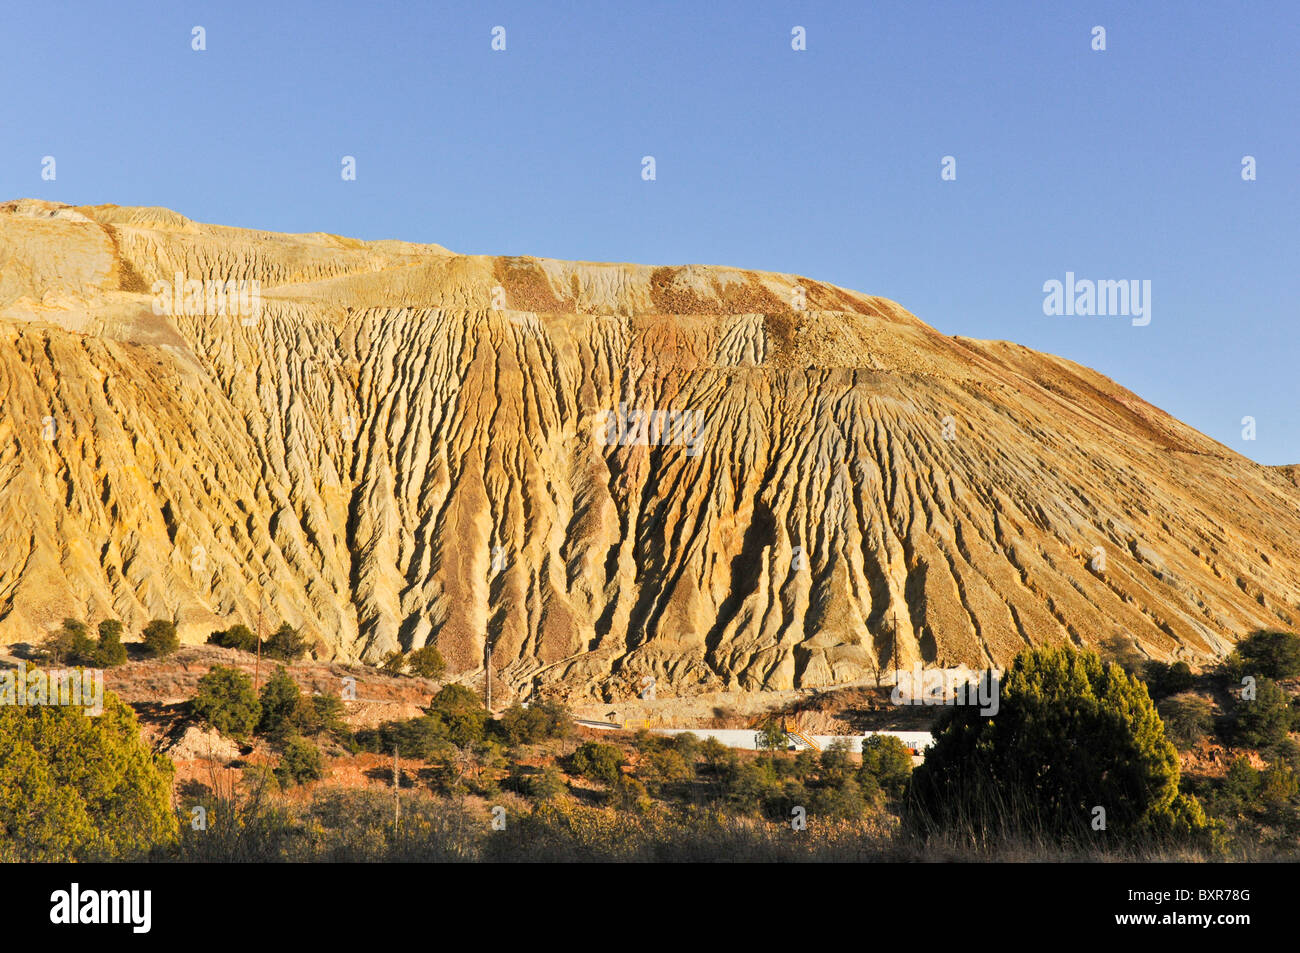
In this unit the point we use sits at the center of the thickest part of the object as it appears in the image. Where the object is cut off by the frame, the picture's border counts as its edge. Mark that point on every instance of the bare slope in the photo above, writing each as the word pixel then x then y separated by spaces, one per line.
pixel 390 455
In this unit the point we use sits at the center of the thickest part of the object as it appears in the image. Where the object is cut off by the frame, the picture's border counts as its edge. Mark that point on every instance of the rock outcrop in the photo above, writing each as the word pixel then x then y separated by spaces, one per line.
pixel 713 476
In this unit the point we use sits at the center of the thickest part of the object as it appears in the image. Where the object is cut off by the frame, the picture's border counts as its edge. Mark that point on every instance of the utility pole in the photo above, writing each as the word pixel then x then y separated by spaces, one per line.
pixel 257 671
pixel 893 638
pixel 487 672
pixel 397 800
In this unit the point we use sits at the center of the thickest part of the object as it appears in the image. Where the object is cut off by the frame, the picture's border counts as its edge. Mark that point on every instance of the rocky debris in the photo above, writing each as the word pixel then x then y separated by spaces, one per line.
pixel 716 478
pixel 207 744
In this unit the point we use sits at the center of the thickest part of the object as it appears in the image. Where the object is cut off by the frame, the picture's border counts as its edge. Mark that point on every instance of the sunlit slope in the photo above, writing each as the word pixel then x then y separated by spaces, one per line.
pixel 407 445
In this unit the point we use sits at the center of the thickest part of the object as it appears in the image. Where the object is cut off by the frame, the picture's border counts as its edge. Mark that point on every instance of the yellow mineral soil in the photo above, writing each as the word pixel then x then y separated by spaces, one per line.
pixel 406 445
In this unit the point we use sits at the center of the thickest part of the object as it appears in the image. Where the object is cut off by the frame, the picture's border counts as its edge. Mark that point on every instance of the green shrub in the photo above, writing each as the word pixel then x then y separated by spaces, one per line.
pixel 226 701
pixel 872 793
pixel 629 794
pixel 778 805
pixel 427 662
pixel 717 756
pixel 238 636
pixel 752 785
pixel 646 741
pixel 1164 680
pixel 75 787
pixel 772 736
pixel 1270 654
pixel 424 737
pixel 285 644
pixel 598 762
pixel 160 638
pixel 462 712
pixel 803 766
pixel 1071 734
pixel 457 697
pixel 71 644
pixel 835 766
pixel 886 765
pixel 1245 791
pixel 1279 784
pixel 667 766
pixel 544 785
pixel 280 700
pixel 300 762
pixel 110 651
pixel 842 801
pixel 1240 785
pixel 540 721
pixel 687 745
pixel 1265 719
pixel 1286 751
pixel 1188 718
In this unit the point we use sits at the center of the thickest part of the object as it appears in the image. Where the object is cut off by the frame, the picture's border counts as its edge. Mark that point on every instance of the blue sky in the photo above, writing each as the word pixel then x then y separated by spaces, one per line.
pixel 1122 164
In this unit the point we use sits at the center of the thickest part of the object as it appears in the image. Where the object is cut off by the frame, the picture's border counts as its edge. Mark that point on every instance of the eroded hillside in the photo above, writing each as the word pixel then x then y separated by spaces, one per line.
pixel 406 445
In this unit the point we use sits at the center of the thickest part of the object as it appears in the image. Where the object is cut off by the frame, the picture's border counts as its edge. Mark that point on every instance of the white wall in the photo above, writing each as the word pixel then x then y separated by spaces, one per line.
pixel 746 737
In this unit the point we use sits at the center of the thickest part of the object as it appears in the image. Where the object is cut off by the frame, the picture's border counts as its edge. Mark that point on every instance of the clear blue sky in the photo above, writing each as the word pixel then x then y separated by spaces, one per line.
pixel 1117 164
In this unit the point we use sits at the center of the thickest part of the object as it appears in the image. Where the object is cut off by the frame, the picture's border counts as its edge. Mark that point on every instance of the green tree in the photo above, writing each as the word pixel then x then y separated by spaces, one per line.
pixel 1270 654
pixel 887 762
pixel 75 787
pixel 423 737
pixel 772 736
pixel 300 762
pixel 545 785
pixel 318 713
pixel 598 762
pixel 1188 718
pixel 1265 719
pixel 1071 734
pixel 226 701
pixel 238 636
pixel 281 701
pixel 667 766
pixel 629 794
pixel 160 638
pixel 71 644
pixel 110 651
pixel 717 756
pixel 462 712
pixel 840 801
pixel 687 744
pixel 538 722
pixel 285 644
pixel 1164 680
pixel 394 663
pixel 834 764
pixel 427 662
